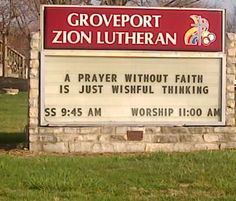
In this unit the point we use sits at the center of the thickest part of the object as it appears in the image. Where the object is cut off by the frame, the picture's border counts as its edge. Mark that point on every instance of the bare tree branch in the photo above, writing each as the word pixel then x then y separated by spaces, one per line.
pixel 113 2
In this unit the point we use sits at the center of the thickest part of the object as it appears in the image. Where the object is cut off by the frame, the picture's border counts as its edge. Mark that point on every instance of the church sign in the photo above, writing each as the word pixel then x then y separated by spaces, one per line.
pixel 93 71
pixel 116 28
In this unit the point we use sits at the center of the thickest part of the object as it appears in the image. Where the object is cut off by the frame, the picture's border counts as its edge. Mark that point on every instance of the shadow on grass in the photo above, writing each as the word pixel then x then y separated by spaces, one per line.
pixel 10 141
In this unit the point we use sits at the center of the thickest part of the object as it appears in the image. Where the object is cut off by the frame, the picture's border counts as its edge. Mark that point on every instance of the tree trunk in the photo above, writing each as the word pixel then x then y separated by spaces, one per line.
pixel 4 55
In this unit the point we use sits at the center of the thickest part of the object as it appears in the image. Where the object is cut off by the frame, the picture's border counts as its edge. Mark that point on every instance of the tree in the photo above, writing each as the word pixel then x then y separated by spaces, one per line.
pixel 6 18
pixel 17 20
pixel 177 3
pixel 163 3
pixel 114 2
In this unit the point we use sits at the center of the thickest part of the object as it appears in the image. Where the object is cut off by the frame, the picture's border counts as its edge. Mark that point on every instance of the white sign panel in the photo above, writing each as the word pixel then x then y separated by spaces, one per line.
pixel 92 90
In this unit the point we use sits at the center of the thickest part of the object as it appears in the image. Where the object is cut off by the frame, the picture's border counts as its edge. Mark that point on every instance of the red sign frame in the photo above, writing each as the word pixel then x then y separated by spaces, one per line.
pixel 133 28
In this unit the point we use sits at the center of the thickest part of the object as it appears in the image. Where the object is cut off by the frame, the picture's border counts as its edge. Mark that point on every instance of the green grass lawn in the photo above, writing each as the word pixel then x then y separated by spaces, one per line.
pixel 13 117
pixel 202 176
pixel 199 176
